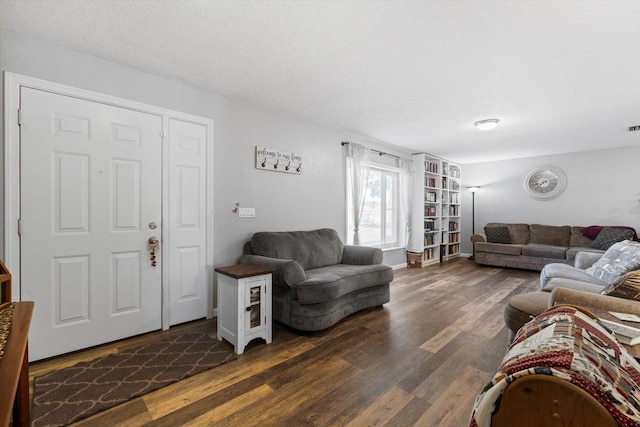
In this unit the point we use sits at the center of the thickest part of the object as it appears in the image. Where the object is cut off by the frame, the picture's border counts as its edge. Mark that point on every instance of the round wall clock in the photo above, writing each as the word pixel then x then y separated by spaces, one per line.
pixel 545 182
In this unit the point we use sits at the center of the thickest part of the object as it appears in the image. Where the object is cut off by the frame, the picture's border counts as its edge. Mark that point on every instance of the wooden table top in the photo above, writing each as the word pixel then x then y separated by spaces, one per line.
pixel 240 271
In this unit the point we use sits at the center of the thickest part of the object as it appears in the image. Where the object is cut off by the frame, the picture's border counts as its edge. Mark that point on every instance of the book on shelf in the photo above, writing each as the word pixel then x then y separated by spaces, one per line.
pixel 430 210
pixel 431 167
pixel 625 334
pixel 431 196
pixel 430 181
pixel 429 225
pixel 454 185
pixel 430 253
pixel 453 226
pixel 429 239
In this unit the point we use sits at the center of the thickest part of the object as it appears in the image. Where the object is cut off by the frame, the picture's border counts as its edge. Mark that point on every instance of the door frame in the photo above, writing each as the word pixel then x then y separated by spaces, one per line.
pixel 12 84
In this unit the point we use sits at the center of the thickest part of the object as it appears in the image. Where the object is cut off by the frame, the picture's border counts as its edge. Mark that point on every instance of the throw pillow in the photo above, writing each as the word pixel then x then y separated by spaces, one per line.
pixel 618 260
pixel 629 288
pixel 497 234
pixel 608 236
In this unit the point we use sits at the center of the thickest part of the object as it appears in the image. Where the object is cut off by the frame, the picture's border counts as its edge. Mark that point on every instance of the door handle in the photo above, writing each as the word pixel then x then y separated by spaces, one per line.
pixel 153 244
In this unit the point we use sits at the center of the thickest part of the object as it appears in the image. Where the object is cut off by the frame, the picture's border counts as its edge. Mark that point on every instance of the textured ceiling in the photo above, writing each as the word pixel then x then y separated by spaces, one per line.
pixel 561 76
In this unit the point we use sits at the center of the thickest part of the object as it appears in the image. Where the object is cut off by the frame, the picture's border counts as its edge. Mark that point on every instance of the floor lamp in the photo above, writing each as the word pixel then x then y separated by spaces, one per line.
pixel 473 190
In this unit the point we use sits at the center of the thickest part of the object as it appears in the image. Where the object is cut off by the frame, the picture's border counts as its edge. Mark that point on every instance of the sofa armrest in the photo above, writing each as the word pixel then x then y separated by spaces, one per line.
pixel 575 284
pixel 594 301
pixel 361 255
pixel 475 238
pixel 286 272
pixel 585 260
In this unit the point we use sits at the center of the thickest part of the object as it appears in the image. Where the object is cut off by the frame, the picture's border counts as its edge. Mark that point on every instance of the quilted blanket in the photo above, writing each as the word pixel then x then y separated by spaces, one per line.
pixel 569 344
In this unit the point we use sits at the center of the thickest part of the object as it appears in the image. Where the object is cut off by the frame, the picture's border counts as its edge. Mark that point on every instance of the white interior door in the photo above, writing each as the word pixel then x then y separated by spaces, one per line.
pixel 188 225
pixel 90 186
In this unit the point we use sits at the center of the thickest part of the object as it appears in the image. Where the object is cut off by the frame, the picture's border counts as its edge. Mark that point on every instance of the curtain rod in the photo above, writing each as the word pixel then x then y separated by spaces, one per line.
pixel 381 153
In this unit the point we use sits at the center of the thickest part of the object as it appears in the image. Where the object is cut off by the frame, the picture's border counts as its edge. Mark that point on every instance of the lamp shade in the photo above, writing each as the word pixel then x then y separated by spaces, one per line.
pixel 473 189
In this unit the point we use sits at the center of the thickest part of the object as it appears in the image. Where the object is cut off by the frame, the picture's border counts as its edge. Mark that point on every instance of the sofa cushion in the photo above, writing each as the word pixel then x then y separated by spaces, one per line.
pixel 608 236
pixel 550 235
pixel 578 239
pixel 572 252
pixel 519 233
pixel 592 231
pixel 499 248
pixel 629 288
pixel 618 260
pixel 521 308
pixel 578 285
pixel 565 271
pixel 332 282
pixel 497 234
pixel 311 249
pixel 544 251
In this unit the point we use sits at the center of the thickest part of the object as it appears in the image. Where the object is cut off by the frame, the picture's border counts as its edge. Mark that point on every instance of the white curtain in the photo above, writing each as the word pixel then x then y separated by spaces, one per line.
pixel 406 199
pixel 359 175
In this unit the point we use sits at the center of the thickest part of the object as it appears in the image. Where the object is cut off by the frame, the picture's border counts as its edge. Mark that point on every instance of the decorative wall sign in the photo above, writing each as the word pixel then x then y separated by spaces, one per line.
pixel 278 161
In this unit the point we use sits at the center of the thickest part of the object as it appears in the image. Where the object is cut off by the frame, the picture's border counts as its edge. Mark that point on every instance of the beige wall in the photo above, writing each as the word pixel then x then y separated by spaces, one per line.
pixel 603 188
pixel 314 199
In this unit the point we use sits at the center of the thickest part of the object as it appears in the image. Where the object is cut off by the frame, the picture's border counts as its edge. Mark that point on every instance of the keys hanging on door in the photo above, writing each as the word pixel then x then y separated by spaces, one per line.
pixel 154 244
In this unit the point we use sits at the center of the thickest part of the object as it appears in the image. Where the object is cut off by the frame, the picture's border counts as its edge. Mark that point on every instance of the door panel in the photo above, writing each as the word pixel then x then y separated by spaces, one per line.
pixel 90 176
pixel 187 199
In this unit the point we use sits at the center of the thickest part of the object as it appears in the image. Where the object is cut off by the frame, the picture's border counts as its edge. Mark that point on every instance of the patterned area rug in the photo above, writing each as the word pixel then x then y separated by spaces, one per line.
pixel 70 394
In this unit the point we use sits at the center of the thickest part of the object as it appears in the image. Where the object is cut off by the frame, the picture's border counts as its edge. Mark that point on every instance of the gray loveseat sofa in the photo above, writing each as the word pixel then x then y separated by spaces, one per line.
pixel 530 246
pixel 318 280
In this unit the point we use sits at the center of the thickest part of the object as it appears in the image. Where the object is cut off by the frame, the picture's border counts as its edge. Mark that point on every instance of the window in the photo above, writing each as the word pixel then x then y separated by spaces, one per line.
pixel 380 220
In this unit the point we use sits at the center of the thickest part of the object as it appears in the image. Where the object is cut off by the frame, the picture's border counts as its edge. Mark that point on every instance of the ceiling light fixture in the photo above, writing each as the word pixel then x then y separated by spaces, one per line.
pixel 487 124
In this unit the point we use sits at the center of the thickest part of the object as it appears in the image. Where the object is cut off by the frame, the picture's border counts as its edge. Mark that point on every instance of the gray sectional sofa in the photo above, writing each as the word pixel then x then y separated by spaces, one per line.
pixel 614 274
pixel 530 246
pixel 318 280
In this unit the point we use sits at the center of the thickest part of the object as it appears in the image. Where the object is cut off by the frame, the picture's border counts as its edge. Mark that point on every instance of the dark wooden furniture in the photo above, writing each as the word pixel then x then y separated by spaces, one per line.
pixel 542 400
pixel 14 368
pixel 5 284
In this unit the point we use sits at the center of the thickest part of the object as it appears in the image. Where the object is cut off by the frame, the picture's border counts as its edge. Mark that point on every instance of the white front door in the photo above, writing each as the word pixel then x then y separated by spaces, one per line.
pixel 91 177
pixel 188 225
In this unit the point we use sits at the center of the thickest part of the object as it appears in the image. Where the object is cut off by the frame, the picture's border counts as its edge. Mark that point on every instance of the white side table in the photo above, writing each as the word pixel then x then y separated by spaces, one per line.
pixel 244 304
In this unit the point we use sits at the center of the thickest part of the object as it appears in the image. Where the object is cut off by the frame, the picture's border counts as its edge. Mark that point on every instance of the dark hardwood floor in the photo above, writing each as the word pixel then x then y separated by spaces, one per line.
pixel 419 360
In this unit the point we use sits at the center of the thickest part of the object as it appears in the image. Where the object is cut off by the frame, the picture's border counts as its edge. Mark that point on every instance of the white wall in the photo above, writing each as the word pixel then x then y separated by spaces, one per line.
pixel 314 199
pixel 603 188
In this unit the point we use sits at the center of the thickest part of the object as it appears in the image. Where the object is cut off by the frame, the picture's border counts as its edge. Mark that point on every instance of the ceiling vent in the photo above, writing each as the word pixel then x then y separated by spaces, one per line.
pixel 634 128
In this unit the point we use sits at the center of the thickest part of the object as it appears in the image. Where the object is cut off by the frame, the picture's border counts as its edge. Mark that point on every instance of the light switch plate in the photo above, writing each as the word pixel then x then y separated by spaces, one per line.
pixel 246 212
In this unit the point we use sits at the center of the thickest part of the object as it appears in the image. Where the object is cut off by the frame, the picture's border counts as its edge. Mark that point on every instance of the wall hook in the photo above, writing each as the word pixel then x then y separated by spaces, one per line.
pixel 264 163
pixel 235 211
pixel 287 167
pixel 298 169
pixel 276 165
